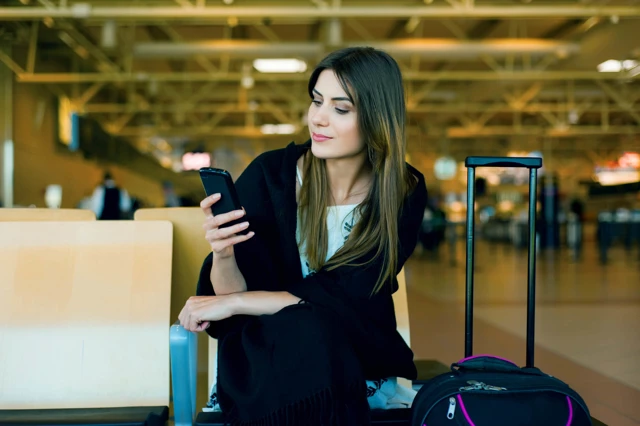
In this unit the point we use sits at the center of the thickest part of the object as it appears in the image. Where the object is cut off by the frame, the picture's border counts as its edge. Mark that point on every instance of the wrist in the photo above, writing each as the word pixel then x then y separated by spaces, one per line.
pixel 235 302
pixel 218 259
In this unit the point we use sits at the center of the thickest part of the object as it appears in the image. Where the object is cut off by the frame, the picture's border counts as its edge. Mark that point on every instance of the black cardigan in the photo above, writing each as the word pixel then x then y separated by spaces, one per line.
pixel 270 261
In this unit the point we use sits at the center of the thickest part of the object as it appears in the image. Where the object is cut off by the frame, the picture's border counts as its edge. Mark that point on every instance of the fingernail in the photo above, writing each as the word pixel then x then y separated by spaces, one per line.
pixel 244 224
pixel 239 213
pixel 215 196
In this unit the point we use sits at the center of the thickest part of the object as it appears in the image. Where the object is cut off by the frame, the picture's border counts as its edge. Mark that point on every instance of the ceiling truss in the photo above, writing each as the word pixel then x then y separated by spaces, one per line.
pixel 462 83
pixel 185 9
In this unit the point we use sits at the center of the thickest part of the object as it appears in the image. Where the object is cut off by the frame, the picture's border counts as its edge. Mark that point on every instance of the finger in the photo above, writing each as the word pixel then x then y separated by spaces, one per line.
pixel 226 232
pixel 182 315
pixel 187 323
pixel 203 326
pixel 195 299
pixel 221 219
pixel 206 204
pixel 193 323
pixel 209 223
pixel 220 245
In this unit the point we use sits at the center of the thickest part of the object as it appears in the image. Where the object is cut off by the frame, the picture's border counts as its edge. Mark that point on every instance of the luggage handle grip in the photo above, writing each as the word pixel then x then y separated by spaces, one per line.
pixel 526 162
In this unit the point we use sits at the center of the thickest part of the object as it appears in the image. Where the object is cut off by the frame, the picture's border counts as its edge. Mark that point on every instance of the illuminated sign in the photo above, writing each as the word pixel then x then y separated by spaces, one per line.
pixel 625 170
pixel 195 160
pixel 445 168
pixel 630 160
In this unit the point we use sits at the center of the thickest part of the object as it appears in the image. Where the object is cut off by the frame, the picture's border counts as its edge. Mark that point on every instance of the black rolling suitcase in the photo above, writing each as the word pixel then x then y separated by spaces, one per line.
pixel 486 390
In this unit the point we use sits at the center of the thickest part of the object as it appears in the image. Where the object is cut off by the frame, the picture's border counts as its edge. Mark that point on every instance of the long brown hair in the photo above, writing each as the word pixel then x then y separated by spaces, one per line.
pixel 373 82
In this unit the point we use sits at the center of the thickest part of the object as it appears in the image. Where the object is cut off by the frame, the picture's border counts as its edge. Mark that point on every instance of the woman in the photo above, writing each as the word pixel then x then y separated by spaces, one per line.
pixel 302 304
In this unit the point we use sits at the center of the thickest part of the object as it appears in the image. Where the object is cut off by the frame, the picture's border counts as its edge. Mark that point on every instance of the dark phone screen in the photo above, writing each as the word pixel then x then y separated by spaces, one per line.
pixel 219 181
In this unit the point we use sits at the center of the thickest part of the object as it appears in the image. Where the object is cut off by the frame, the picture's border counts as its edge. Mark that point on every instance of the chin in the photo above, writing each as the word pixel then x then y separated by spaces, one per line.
pixel 320 151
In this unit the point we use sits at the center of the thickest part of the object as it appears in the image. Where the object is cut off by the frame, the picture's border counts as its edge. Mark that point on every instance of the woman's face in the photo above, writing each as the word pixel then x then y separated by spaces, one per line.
pixel 333 121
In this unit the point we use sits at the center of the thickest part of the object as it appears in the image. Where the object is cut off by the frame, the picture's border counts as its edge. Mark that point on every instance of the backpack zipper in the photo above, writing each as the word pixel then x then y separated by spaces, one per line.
pixel 452 408
pixel 475 385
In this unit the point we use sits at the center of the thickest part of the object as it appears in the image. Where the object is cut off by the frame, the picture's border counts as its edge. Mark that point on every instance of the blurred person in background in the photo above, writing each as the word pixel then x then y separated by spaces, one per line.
pixel 109 202
pixel 434 226
pixel 302 305
pixel 170 197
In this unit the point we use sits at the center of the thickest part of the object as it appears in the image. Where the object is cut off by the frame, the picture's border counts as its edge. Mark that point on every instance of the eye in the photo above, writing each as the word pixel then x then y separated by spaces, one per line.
pixel 316 102
pixel 341 111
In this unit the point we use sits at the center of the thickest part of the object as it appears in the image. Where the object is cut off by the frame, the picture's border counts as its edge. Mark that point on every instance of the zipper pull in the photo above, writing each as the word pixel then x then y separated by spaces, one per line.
pixel 452 408
pixel 474 386
pixel 494 388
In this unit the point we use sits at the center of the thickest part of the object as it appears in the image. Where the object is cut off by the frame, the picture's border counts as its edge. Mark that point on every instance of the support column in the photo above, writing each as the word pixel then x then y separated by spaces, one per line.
pixel 6 131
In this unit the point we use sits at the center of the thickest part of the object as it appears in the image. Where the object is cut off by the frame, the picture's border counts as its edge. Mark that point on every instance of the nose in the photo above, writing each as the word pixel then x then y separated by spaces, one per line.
pixel 319 117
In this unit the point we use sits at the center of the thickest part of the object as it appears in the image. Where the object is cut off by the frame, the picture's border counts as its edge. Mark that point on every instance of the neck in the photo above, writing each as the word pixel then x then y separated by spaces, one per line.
pixel 349 178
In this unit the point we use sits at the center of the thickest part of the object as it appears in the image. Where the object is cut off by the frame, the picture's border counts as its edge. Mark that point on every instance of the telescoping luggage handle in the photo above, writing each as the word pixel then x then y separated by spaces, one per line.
pixel 533 164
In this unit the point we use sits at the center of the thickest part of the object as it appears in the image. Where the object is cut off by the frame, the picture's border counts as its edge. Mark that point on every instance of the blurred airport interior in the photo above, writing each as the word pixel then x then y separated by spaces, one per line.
pixel 113 107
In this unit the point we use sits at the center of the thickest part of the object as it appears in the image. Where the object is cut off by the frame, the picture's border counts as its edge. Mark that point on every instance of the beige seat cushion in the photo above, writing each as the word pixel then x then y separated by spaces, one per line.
pixel 84 309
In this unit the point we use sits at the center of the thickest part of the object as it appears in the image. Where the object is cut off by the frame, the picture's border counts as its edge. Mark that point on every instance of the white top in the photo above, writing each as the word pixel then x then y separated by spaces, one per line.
pixel 340 222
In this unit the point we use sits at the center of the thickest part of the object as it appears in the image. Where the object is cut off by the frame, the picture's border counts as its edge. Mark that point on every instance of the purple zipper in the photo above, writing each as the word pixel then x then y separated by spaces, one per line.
pixel 486 356
pixel 570 412
pixel 464 411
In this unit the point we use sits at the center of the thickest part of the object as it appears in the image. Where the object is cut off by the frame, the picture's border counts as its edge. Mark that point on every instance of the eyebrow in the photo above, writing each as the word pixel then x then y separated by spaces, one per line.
pixel 334 99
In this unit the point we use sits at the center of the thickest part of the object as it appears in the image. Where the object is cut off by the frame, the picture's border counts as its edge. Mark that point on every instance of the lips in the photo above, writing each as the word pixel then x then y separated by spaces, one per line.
pixel 319 138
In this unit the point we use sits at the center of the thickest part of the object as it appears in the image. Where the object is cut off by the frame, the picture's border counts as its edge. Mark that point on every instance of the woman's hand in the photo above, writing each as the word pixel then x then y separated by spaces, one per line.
pixel 222 240
pixel 199 311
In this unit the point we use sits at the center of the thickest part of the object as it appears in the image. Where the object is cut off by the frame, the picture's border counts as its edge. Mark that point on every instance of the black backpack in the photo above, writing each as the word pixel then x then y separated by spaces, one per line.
pixel 486 390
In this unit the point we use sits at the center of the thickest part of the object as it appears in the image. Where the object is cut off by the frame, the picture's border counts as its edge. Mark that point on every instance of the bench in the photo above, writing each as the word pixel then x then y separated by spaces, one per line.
pixel 84 308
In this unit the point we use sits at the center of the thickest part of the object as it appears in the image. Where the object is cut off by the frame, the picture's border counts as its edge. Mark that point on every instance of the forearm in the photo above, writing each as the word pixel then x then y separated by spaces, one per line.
pixel 225 276
pixel 262 302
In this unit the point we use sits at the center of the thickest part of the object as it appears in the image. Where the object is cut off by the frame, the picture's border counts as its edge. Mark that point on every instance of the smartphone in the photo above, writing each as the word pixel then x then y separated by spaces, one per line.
pixel 219 181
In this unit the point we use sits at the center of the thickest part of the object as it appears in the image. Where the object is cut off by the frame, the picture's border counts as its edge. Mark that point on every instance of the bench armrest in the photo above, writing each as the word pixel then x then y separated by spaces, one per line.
pixel 183 347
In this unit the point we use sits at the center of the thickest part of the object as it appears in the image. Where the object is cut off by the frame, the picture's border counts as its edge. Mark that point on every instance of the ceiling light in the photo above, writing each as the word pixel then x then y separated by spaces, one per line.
pixel 573 117
pixel 610 66
pixel 280 65
pixel 247 82
pixel 108 37
pixel 616 66
pixel 81 10
pixel 278 129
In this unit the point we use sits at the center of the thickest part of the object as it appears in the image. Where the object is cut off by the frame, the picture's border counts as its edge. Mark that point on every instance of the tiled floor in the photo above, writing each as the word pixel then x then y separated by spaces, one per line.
pixel 587 323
